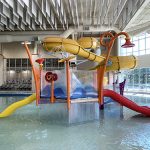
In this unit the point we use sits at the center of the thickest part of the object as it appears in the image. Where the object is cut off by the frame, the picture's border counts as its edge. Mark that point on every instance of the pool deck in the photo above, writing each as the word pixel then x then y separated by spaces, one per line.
pixel 15 93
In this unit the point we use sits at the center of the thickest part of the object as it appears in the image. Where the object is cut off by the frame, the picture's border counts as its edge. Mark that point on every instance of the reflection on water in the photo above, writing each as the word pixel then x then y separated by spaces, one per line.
pixel 29 129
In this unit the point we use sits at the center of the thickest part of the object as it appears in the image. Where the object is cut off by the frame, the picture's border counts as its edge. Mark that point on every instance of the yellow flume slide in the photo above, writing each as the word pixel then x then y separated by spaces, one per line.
pixel 10 109
pixel 78 48
pixel 72 47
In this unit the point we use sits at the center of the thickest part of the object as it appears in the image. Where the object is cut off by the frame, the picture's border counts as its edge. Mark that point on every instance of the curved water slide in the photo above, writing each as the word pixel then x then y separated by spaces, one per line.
pixel 126 102
pixel 13 107
pixel 70 46
pixel 78 48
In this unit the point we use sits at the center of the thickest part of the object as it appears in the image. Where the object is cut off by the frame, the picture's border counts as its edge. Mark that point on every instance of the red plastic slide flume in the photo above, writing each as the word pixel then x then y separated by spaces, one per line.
pixel 126 102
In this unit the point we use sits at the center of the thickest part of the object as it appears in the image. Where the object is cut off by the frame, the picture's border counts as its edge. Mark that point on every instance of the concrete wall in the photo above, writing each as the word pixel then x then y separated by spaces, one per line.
pixel 143 61
pixel 24 74
pixel 15 50
pixel 114 51
pixel 1 70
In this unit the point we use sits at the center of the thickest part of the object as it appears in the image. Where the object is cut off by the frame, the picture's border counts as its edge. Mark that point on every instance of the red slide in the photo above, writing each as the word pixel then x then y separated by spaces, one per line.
pixel 126 102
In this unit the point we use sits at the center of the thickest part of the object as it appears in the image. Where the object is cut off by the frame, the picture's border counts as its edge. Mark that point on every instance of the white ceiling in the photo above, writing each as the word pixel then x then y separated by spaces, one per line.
pixel 81 15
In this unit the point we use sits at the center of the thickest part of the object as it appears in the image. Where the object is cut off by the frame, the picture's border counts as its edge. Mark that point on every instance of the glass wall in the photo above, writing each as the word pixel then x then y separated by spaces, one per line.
pixel 138 80
pixel 142 45
pixel 52 64
pixel 18 73
pixel 16 68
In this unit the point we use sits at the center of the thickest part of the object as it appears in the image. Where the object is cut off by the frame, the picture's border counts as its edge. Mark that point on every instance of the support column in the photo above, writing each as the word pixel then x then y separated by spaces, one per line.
pixel 100 86
pixel 52 92
pixel 68 83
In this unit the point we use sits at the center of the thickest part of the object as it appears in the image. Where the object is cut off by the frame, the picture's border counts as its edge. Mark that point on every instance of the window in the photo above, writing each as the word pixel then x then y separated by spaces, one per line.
pixel 137 80
pixel 142 45
pixel 18 62
pixel 8 61
pixel 18 72
pixel 53 64
pixel 135 48
pixel 147 43
pixel 12 62
pixel 135 53
pixel 29 64
pixel 141 36
pixel 24 63
pixel 148 51
pixel 48 62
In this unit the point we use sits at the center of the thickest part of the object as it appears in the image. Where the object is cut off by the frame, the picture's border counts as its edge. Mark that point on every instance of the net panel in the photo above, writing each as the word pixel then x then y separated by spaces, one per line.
pixel 83 84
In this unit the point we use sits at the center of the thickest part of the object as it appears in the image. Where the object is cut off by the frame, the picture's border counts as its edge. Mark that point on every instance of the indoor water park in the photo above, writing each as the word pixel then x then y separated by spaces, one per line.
pixel 75 75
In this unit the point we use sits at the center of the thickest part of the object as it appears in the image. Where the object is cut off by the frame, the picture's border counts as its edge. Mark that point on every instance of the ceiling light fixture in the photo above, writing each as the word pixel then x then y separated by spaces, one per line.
pixel 27 42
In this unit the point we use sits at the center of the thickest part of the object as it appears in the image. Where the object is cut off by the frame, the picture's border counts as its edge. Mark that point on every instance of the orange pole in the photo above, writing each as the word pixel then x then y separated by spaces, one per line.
pixel 98 77
pixel 102 69
pixel 100 94
pixel 40 69
pixel 95 80
pixel 35 74
pixel 52 92
pixel 68 83
pixel 102 74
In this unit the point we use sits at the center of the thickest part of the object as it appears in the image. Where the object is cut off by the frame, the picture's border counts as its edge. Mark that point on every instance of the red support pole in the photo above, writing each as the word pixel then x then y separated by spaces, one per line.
pixel 68 83
pixel 101 70
pixel 52 92
pixel 35 74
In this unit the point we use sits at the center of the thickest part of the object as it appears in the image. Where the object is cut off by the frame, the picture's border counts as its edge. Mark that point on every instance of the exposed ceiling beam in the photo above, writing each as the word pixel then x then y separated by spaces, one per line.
pixel 99 12
pixel 109 4
pixel 94 11
pixel 97 29
pixel 56 11
pixel 91 10
pixel 72 12
pixel 145 3
pixel 81 6
pixel 139 28
pixel 86 12
pixel 31 32
pixel 76 10
pixel 34 35
pixel 120 9
pixel 103 11
pixel 67 10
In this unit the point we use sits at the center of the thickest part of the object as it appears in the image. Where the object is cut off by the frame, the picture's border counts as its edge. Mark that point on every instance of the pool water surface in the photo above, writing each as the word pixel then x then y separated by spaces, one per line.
pixel 116 129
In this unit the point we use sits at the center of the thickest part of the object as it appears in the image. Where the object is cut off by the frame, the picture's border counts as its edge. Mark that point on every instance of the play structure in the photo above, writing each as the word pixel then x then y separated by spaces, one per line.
pixel 70 86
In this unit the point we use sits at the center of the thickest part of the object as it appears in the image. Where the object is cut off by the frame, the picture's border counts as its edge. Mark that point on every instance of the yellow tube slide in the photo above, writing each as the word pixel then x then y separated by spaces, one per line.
pixel 10 109
pixel 72 47
pixel 121 63
pixel 88 42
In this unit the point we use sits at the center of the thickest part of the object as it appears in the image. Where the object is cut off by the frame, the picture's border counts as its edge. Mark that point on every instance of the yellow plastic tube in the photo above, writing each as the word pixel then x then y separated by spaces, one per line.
pixel 13 107
pixel 70 46
pixel 121 63
pixel 88 42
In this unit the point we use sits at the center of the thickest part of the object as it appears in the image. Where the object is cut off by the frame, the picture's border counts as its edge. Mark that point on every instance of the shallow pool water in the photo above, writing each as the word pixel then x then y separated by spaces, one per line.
pixel 117 129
